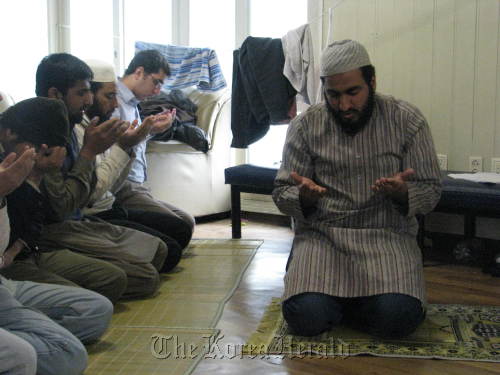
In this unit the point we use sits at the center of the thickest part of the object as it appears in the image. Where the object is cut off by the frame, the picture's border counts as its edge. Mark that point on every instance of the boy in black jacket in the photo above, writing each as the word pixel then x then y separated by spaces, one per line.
pixel 43 123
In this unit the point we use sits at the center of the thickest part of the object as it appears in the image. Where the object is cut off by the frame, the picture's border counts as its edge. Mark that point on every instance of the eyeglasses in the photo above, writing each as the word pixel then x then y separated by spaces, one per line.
pixel 157 82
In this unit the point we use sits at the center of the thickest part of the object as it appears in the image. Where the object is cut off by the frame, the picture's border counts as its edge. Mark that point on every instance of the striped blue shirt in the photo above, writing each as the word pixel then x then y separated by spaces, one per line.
pixel 189 66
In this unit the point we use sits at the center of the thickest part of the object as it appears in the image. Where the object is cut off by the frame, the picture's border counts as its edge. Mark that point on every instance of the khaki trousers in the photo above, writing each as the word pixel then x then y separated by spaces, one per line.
pixel 65 267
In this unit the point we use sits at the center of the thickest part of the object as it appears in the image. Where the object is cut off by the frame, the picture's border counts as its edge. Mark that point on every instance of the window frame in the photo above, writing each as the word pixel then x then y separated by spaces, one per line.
pixel 59 28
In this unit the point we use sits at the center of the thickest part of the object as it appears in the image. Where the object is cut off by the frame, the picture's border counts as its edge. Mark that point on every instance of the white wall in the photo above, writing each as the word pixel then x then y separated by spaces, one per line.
pixel 441 55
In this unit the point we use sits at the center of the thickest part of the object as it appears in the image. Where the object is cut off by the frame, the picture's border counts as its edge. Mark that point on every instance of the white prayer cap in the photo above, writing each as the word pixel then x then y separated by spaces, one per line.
pixel 343 56
pixel 102 70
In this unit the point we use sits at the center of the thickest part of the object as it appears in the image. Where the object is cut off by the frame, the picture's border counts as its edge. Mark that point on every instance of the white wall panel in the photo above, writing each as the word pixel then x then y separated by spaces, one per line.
pixel 423 23
pixel 463 85
pixel 366 24
pixel 345 20
pixel 497 122
pixel 404 51
pixel 441 55
pixel 485 81
pixel 382 56
pixel 442 74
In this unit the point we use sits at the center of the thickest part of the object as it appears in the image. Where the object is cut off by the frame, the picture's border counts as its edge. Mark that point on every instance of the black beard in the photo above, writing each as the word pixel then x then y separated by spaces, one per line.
pixel 349 127
pixel 94 111
pixel 75 118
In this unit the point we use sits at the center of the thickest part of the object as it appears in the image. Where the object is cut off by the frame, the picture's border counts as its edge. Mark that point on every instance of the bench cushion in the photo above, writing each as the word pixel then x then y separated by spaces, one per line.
pixel 468 196
pixel 251 178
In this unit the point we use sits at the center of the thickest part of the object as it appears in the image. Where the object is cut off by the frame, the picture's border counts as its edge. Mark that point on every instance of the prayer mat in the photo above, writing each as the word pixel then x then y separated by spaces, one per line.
pixel 151 351
pixel 453 332
pixel 172 331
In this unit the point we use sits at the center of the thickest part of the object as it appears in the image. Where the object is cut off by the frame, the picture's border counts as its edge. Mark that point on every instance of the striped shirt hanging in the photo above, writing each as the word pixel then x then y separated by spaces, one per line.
pixel 189 66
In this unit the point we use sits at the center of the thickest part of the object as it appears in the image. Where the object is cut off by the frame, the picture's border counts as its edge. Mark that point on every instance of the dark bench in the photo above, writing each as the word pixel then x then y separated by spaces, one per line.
pixel 471 199
pixel 463 197
pixel 247 178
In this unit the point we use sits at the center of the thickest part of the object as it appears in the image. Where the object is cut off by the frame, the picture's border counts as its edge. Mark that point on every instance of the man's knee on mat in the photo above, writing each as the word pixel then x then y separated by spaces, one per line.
pixel 309 314
pixel 160 256
pixel 395 316
pixel 144 283
pixel 114 285
pixel 153 284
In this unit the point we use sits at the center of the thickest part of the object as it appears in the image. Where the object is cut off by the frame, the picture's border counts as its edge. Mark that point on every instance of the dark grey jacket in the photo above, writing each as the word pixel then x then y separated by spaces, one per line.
pixel 261 94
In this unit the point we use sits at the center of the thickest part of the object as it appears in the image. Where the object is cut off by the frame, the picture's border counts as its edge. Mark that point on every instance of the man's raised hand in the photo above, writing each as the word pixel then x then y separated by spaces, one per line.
pixel 14 170
pixel 395 186
pixel 309 191
pixel 49 158
pixel 162 121
pixel 135 134
pixel 99 137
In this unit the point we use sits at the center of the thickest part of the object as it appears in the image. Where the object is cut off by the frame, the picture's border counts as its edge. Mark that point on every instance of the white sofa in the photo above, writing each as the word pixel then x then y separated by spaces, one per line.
pixel 190 179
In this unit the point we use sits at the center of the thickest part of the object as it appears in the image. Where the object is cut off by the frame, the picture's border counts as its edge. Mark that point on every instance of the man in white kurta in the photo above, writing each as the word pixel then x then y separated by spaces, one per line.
pixel 114 166
pixel 356 170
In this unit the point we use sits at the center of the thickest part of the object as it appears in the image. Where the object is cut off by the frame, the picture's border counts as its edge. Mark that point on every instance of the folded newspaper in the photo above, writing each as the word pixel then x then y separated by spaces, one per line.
pixel 484 177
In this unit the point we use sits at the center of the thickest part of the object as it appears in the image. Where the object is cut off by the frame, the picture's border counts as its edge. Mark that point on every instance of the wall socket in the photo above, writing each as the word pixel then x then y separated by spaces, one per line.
pixel 495 165
pixel 443 161
pixel 475 164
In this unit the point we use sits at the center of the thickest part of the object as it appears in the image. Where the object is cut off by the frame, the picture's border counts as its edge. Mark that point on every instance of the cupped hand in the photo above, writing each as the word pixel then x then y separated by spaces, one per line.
pixel 99 137
pixel 394 186
pixel 162 121
pixel 49 158
pixel 14 170
pixel 135 134
pixel 309 191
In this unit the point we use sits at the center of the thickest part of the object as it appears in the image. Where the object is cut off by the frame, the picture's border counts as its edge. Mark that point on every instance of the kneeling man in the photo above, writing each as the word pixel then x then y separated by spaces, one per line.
pixel 356 170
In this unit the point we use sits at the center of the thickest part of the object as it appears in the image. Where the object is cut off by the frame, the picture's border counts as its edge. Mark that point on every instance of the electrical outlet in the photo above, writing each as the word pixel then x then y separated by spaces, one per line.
pixel 443 161
pixel 495 165
pixel 475 163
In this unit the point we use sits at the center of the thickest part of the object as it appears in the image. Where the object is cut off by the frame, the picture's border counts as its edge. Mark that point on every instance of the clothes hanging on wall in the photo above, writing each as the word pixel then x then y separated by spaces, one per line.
pixel 300 68
pixel 261 94
pixel 189 66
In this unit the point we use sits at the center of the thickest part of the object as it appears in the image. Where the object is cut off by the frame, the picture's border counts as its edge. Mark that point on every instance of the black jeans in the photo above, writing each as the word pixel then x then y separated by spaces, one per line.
pixel 170 226
pixel 390 315
pixel 155 224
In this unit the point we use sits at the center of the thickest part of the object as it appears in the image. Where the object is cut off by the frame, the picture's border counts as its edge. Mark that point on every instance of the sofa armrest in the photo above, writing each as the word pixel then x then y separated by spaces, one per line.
pixel 209 105
pixel 191 179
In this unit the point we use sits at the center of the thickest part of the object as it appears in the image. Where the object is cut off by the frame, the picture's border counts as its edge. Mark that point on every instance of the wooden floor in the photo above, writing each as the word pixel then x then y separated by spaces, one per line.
pixel 264 280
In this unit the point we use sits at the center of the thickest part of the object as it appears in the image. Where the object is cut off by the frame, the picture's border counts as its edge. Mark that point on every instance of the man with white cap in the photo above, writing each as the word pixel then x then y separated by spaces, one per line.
pixel 113 166
pixel 356 170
